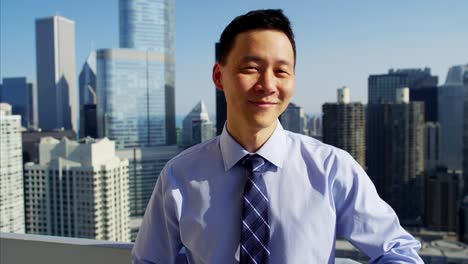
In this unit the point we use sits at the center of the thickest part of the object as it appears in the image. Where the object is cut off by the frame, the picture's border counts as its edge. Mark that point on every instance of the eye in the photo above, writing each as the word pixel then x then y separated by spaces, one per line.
pixel 282 73
pixel 250 69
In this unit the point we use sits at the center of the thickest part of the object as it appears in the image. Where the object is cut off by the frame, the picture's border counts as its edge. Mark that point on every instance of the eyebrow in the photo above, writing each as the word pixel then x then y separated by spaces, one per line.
pixel 249 58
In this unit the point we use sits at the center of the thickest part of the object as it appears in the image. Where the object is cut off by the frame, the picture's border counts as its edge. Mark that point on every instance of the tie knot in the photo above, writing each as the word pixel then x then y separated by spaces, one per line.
pixel 253 162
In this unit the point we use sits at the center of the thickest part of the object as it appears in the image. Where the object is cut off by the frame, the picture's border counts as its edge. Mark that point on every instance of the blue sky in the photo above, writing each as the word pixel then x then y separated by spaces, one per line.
pixel 338 42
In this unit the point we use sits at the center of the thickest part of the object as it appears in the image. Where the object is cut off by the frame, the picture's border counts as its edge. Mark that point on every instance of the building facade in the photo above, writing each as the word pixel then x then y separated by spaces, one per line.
pixel 443 193
pixel 344 126
pixel 197 126
pixel 395 155
pixel 11 172
pixel 450 112
pixel 431 146
pixel 139 120
pixel 22 96
pixel 145 165
pixel 148 25
pixel 465 134
pixel 78 190
pixel 294 119
pixel 56 76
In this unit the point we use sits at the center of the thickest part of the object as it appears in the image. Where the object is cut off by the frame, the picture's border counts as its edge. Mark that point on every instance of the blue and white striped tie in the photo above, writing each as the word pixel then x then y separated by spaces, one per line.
pixel 255 235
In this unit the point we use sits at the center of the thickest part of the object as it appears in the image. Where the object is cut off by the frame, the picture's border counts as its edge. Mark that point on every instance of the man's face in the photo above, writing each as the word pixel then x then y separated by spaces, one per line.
pixel 257 79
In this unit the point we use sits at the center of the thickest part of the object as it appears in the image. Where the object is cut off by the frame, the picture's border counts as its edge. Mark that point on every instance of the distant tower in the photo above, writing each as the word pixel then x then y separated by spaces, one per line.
pixel 56 76
pixel 88 98
pixel 221 107
pixel 148 25
pixel 343 126
pixel 22 96
pixel 451 98
pixel 11 172
pixel 78 190
pixel 293 119
pixel 395 153
pixel 197 126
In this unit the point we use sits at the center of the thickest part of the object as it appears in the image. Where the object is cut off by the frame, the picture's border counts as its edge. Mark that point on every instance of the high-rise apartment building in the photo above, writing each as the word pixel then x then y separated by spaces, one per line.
pixel 88 97
pixel 395 154
pixel 344 126
pixel 139 120
pixel 145 165
pixel 78 190
pixel 450 108
pixel 11 172
pixel 32 138
pixel 197 126
pixel 56 76
pixel 148 25
pixel 22 96
pixel 294 119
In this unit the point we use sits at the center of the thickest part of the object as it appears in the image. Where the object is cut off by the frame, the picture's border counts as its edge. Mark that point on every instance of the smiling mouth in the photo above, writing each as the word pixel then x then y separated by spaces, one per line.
pixel 263 103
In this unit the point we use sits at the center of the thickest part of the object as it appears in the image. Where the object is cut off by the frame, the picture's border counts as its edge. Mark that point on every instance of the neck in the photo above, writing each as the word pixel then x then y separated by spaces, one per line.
pixel 251 139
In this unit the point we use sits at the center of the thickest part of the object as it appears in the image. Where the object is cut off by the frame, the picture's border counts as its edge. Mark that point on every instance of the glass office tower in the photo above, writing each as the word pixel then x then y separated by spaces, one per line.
pixel 131 88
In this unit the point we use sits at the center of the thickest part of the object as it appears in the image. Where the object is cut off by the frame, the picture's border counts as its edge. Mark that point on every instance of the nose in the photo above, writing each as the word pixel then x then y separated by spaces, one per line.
pixel 267 82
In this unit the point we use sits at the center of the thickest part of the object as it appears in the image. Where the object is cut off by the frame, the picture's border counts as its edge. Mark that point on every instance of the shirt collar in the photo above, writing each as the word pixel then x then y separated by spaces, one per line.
pixel 273 150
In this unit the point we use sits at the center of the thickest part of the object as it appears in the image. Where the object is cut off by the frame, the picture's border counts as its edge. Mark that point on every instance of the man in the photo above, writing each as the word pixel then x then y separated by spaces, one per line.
pixel 258 193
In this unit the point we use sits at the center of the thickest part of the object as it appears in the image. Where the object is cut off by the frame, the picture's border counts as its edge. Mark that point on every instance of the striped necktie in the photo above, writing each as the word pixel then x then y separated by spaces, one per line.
pixel 255 235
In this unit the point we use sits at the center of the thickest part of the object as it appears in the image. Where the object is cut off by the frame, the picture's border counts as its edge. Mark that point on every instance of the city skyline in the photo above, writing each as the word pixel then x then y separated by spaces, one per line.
pixel 335 48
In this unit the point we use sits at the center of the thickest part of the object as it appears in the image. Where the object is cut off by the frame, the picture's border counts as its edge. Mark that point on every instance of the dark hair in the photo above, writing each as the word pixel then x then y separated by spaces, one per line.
pixel 258 19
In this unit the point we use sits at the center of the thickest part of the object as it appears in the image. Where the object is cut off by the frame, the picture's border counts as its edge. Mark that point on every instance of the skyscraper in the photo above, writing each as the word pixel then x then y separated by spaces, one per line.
pixel 139 120
pixel 197 126
pixel 145 165
pixel 431 146
pixel 450 108
pixel 55 64
pixel 382 87
pixel 465 134
pixel 395 154
pixel 344 126
pixel 293 119
pixel 22 96
pixel 148 25
pixel 88 97
pixel 78 190
pixel 11 172
pixel 221 107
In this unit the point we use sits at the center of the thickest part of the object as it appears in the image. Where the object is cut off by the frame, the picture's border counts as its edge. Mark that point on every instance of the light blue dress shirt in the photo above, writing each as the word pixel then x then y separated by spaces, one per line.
pixel 316 192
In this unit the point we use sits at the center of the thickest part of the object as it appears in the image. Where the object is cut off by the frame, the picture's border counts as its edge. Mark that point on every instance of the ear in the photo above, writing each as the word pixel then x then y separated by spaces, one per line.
pixel 217 76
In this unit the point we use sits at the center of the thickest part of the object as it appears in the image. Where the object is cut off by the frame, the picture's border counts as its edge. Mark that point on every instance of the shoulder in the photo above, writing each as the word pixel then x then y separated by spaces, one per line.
pixel 196 153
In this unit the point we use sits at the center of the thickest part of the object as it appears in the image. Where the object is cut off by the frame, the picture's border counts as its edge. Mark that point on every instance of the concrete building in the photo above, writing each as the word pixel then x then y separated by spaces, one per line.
pixel 344 126
pixel 148 25
pixel 197 126
pixel 88 98
pixel 11 172
pixel 78 190
pixel 145 165
pixel 395 154
pixel 443 193
pixel 450 112
pixel 462 228
pixel 139 120
pixel 32 138
pixel 56 76
pixel 22 96
pixel 294 119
